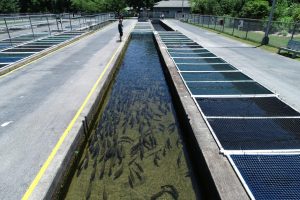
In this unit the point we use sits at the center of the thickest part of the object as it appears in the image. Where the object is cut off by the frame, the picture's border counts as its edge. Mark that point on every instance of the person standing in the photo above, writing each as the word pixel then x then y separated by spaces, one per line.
pixel 120 28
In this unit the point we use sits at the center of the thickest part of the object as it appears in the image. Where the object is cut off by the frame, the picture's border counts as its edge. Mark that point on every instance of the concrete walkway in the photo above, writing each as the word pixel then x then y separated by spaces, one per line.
pixel 279 74
pixel 38 102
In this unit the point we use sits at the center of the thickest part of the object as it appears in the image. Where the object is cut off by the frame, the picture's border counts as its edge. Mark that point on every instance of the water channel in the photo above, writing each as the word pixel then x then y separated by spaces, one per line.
pixel 136 150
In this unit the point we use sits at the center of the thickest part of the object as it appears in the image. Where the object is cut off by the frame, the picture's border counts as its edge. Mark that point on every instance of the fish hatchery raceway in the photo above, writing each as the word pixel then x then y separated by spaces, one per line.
pixel 75 124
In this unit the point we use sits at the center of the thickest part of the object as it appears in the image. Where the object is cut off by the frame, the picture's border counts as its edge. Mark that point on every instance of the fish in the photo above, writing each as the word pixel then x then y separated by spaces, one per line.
pixel 179 159
pixel 164 152
pixel 88 192
pixel 86 160
pixel 102 171
pixel 104 195
pixel 157 195
pixel 168 143
pixel 178 142
pixel 96 151
pixel 139 166
pixel 92 178
pixel 95 163
pixel 126 138
pixel 131 176
pixel 155 160
pixel 119 172
pixel 137 174
pixel 173 191
pixel 132 161
pixel 130 182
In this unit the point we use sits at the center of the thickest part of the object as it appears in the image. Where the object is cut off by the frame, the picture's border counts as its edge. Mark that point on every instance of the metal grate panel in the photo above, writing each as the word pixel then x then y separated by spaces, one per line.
pixel 186 55
pixel 245 107
pixel 270 176
pixel 188 51
pixel 198 60
pixel 226 88
pixel 214 76
pixel 257 134
pixel 205 67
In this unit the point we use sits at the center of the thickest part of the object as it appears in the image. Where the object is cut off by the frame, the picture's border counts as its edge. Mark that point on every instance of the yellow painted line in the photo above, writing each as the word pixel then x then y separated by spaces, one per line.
pixel 66 132
pixel 48 54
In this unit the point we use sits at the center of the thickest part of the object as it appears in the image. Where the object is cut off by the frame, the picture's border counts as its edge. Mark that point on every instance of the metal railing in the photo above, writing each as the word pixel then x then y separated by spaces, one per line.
pixel 248 29
pixel 17 29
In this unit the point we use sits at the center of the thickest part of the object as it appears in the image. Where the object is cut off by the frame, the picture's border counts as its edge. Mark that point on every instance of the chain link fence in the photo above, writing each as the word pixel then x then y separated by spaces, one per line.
pixel 249 29
pixel 18 29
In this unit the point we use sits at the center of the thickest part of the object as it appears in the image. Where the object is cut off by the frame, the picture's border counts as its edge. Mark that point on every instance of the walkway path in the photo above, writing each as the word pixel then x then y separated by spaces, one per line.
pixel 38 102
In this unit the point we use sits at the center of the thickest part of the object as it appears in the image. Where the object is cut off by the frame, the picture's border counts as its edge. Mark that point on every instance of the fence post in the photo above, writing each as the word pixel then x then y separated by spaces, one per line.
pixel 57 24
pixel 48 25
pixel 223 24
pixel 294 29
pixel 247 30
pixel 70 22
pixel 31 27
pixel 233 27
pixel 215 18
pixel 8 32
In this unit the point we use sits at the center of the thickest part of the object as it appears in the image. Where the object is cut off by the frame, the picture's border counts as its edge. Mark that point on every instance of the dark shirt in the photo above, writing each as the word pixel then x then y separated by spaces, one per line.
pixel 120 27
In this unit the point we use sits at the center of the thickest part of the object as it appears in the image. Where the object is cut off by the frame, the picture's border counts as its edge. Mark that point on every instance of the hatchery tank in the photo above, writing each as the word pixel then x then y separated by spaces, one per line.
pixel 136 149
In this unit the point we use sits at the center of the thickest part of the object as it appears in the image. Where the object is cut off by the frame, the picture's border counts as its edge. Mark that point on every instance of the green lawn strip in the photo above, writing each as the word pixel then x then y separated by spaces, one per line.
pixel 253 39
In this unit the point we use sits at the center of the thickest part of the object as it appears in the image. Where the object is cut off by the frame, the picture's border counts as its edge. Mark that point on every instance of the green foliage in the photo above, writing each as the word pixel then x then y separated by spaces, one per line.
pixel 9 6
pixel 285 10
pixel 255 9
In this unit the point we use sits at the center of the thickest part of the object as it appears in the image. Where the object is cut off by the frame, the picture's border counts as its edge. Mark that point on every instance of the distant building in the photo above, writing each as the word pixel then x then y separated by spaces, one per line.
pixel 172 7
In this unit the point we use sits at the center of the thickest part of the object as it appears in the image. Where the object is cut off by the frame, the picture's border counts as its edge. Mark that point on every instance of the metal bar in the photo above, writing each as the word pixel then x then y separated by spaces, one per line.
pixel 236 81
pixel 208 71
pixel 223 24
pixel 263 152
pixel 235 96
pixel 8 32
pixel 31 27
pixel 294 29
pixel 247 30
pixel 70 22
pixel 253 117
pixel 48 25
pixel 233 27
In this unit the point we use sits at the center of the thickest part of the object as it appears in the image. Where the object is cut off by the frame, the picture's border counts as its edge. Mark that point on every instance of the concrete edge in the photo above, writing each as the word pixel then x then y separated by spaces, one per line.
pixel 51 181
pixel 52 49
pixel 224 178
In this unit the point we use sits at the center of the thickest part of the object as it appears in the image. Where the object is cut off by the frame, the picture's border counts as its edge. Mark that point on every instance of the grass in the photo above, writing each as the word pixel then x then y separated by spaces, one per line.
pixel 253 38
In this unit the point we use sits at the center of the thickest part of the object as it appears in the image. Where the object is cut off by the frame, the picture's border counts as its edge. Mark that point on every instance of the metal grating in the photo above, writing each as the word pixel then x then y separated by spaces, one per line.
pixel 214 76
pixel 270 176
pixel 198 60
pixel 23 50
pixel 205 67
pixel 245 107
pixel 188 51
pixel 188 55
pixel 257 134
pixel 226 88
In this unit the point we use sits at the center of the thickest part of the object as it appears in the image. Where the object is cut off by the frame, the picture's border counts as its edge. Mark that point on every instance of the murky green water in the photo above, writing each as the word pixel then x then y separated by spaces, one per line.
pixel 136 152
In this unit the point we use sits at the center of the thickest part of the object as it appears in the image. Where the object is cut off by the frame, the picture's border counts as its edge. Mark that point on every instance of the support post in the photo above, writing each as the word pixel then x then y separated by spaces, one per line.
pixel 70 22
pixel 8 32
pixel 265 40
pixel 31 27
pixel 48 25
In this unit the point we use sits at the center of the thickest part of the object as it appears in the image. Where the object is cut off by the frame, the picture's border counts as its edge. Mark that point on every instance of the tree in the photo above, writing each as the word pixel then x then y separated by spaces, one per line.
pixel 137 5
pixel 256 9
pixel 9 6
